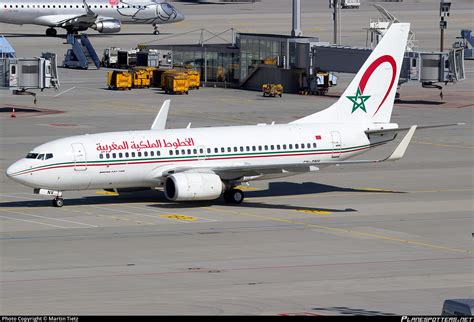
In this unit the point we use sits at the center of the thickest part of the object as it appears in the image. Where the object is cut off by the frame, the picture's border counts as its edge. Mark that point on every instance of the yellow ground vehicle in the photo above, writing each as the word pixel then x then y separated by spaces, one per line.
pixel 272 90
pixel 170 72
pixel 176 84
pixel 141 78
pixel 194 78
pixel 119 80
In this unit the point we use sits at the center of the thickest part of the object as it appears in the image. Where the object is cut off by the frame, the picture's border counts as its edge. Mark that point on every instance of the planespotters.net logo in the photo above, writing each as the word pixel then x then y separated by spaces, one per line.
pixel 437 319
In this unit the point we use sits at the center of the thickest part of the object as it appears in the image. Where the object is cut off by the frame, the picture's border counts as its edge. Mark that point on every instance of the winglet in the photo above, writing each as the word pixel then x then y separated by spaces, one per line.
pixel 399 152
pixel 160 120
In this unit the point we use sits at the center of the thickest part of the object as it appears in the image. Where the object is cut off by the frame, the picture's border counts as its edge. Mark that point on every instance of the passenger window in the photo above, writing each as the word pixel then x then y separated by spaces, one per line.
pixel 314 145
pixel 139 154
pixel 114 155
pixel 254 148
pixel 126 154
pixel 184 151
pixel 189 151
pixel 284 146
pixel 290 146
pixel 171 152
pixel 196 152
pixel 241 149
pixel 152 153
pixel 208 150
pixel 278 147
pixel 133 154
pixel 266 147
pixel 107 156
pixel 247 148
pixel 120 155
pixel 308 145
pixel 216 150
pixel 296 146
pixel 158 153
pixel 235 149
pixel 177 152
pixel 259 148
pixel 272 147
pixel 145 153
pixel 101 156
pixel 229 149
pixel 222 149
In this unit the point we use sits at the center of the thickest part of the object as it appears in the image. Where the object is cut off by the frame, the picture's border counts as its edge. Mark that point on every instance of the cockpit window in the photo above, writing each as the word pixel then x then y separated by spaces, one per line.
pixel 49 156
pixel 40 157
pixel 31 155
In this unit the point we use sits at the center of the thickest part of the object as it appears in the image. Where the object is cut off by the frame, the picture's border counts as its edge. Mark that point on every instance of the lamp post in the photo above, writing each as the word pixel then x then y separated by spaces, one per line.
pixel 443 12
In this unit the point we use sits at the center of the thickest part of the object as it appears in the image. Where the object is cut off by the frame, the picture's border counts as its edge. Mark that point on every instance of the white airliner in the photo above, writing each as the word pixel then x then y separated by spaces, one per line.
pixel 105 16
pixel 205 163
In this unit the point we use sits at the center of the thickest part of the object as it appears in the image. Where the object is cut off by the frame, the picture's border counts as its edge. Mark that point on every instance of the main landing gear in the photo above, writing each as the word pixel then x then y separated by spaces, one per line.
pixel 234 196
pixel 51 32
pixel 155 29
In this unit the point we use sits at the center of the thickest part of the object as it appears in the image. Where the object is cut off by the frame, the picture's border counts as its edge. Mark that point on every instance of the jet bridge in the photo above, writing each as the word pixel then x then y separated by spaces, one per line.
pixel 428 68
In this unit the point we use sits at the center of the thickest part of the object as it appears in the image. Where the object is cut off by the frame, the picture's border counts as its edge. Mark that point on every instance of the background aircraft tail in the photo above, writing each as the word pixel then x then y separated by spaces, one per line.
pixel 370 96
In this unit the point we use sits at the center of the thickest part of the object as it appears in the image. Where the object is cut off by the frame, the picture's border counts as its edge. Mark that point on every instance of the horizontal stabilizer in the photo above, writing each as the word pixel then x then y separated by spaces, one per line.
pixel 402 129
pixel 160 120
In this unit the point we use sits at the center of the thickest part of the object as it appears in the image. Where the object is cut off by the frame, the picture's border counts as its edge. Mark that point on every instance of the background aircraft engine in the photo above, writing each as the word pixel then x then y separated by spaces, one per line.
pixel 193 186
pixel 107 26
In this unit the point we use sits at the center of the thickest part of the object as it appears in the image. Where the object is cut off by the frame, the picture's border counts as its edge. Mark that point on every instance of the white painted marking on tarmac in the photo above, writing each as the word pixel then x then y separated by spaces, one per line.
pixel 36 222
pixel 65 91
pixel 15 197
pixel 50 218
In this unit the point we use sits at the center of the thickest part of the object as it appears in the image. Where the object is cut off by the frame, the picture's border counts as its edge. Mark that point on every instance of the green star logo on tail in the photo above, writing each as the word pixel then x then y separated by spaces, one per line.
pixel 359 101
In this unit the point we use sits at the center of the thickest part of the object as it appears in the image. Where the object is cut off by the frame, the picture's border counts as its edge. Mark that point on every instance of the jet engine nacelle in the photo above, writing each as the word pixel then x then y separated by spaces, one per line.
pixel 107 26
pixel 193 186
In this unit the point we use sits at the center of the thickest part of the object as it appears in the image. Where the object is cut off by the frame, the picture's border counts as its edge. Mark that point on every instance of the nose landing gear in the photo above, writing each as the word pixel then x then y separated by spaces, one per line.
pixel 58 202
pixel 155 29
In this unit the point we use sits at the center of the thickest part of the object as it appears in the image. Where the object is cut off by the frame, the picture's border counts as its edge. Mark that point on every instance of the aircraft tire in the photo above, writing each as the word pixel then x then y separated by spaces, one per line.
pixel 58 202
pixel 51 32
pixel 234 196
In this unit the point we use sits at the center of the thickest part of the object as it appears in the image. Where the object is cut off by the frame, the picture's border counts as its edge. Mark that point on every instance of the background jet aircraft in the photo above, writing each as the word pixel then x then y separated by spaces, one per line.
pixel 105 16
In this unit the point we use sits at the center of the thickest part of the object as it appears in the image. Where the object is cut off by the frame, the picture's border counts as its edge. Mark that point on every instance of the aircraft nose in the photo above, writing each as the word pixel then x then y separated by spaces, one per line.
pixel 14 169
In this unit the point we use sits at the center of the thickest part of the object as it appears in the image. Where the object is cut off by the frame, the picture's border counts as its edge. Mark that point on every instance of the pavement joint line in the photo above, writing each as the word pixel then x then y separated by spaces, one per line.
pixel 35 222
pixel 179 272
pixel 347 231
pixel 49 218
pixel 63 92
pixel 126 212
pixel 444 145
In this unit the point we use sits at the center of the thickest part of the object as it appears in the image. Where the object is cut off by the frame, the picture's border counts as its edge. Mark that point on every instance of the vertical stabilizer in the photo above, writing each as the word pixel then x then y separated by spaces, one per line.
pixel 370 96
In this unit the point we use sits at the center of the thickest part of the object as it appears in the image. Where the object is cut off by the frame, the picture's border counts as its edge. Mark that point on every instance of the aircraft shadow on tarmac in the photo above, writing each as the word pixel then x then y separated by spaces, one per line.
pixel 158 200
pixel 420 102
pixel 343 310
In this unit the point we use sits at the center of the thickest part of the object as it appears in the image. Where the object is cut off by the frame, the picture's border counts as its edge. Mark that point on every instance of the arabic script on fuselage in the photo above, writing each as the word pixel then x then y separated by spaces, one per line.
pixel 144 144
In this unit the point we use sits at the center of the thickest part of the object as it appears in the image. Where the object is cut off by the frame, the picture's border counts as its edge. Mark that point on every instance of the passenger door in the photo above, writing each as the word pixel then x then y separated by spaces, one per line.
pixel 80 160
pixel 336 144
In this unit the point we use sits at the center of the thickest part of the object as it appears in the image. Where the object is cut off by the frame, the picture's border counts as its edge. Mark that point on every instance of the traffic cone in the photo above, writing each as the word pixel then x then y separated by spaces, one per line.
pixel 13 113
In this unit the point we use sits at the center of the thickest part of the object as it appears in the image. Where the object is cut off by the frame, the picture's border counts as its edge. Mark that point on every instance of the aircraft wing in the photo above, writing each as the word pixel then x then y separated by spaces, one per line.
pixel 83 21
